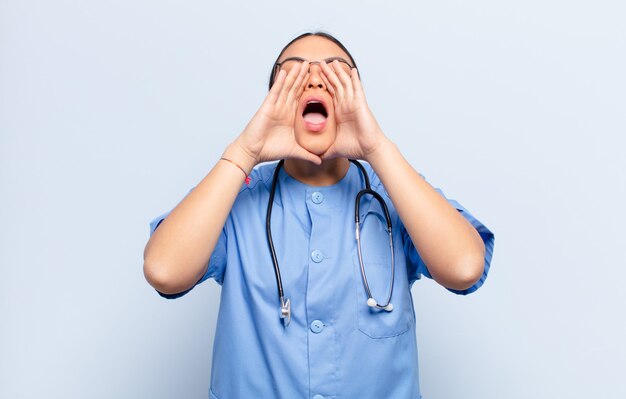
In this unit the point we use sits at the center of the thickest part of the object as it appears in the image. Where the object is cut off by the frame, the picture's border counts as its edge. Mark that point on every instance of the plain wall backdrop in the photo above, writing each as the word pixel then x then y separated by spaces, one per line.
pixel 110 111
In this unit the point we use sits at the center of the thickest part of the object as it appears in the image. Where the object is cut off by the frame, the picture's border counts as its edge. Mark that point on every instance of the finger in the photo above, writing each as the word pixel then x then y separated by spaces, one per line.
pixel 329 87
pixel 289 81
pixel 298 83
pixel 356 83
pixel 333 79
pixel 305 81
pixel 344 79
pixel 331 76
pixel 276 88
pixel 301 153
pixel 330 153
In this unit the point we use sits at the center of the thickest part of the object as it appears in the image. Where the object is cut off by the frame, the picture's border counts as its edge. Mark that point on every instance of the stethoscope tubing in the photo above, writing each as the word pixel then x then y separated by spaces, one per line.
pixel 285 303
pixel 357 221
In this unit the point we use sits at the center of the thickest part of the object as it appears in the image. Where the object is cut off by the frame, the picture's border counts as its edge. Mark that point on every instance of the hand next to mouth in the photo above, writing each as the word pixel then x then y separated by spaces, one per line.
pixel 358 133
pixel 270 135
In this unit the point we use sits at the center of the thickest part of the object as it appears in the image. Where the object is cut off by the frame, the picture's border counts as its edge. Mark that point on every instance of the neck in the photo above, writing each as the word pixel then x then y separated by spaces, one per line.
pixel 326 174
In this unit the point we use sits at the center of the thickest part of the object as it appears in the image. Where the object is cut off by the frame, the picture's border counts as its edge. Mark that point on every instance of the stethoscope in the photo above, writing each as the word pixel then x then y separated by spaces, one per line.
pixel 285 303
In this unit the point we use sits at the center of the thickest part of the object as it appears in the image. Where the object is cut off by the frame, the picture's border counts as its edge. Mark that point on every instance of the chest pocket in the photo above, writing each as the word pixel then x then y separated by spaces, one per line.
pixel 373 322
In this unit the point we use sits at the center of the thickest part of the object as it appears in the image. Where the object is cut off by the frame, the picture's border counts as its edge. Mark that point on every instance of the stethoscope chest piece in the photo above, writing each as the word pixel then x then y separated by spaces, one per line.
pixel 285 311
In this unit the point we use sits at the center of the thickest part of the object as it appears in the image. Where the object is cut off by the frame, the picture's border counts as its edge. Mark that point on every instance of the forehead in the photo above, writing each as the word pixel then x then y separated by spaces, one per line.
pixel 314 48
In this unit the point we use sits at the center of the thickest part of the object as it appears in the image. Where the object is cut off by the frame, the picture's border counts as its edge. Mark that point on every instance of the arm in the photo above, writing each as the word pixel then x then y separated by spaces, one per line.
pixel 448 244
pixel 177 254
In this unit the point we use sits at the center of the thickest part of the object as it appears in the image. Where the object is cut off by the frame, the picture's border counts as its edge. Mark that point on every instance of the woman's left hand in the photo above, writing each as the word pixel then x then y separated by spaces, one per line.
pixel 358 133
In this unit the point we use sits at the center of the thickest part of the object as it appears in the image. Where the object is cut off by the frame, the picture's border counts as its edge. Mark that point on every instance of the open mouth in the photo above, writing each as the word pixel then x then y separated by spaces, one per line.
pixel 314 113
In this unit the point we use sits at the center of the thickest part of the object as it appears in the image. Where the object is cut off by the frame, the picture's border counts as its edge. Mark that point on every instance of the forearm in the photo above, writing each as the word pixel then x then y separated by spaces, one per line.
pixel 177 254
pixel 447 243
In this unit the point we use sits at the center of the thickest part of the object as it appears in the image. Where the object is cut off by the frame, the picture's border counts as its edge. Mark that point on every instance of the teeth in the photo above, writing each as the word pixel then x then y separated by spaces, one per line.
pixel 313 102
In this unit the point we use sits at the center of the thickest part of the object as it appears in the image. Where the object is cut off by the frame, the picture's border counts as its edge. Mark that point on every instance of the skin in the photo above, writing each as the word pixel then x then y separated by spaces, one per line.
pixel 177 254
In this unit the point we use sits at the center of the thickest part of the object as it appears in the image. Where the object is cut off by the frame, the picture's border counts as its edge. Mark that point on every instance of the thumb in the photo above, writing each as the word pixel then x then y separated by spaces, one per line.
pixel 330 153
pixel 301 153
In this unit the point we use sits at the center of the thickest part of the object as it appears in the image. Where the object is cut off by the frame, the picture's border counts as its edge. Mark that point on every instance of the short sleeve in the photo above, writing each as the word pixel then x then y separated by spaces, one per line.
pixel 417 267
pixel 217 261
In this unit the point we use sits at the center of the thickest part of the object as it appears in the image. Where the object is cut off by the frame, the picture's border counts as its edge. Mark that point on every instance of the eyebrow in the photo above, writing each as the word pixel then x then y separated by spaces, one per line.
pixel 327 60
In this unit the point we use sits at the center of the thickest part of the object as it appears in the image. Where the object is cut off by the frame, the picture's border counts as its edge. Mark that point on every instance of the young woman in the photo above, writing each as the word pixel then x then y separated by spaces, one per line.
pixel 316 299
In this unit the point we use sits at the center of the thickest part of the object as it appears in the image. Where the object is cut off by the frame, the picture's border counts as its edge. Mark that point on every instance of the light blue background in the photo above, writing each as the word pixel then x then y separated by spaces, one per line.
pixel 110 111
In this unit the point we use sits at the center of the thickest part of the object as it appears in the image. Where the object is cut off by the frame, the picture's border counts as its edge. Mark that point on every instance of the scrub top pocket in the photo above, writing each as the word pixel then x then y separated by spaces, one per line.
pixel 374 322
pixel 378 323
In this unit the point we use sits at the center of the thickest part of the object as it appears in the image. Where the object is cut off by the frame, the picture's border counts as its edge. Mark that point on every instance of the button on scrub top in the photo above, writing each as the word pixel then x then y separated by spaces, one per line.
pixel 335 346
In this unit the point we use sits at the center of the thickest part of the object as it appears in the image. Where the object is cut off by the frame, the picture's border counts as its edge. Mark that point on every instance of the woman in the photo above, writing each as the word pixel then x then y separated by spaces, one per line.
pixel 327 333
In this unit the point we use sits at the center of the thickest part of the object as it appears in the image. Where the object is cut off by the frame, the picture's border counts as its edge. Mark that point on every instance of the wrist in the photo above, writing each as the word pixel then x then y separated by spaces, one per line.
pixel 380 150
pixel 237 154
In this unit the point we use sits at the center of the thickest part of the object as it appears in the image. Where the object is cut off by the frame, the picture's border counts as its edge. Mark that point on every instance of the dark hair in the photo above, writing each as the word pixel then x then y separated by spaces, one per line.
pixel 320 34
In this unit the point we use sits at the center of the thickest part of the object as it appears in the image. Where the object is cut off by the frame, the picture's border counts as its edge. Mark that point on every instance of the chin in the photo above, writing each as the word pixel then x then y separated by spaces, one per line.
pixel 314 142
pixel 315 148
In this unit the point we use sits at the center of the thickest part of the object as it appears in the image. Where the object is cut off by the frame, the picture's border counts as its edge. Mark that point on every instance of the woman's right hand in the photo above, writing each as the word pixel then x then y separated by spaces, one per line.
pixel 178 252
pixel 269 135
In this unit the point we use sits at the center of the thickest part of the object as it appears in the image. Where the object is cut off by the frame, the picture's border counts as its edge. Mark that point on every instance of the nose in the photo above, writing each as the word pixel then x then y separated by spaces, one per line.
pixel 315 79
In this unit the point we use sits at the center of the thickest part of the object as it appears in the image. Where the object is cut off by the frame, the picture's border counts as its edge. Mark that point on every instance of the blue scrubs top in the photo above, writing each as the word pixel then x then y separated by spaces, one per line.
pixel 336 346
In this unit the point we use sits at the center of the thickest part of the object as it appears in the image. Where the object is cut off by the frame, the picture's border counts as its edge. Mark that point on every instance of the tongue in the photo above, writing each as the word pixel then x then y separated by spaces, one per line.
pixel 314 117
